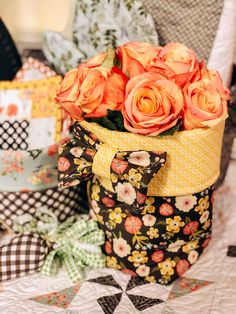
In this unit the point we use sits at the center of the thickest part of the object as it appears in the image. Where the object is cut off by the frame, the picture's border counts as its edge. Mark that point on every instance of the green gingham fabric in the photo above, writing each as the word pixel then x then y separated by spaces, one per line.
pixel 74 244
pixel 76 249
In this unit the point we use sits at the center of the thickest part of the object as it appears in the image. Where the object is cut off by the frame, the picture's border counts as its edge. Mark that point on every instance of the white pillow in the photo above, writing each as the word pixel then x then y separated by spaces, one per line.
pixel 222 53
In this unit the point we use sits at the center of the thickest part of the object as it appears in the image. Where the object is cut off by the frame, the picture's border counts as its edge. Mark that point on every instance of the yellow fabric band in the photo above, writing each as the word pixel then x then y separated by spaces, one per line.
pixel 193 157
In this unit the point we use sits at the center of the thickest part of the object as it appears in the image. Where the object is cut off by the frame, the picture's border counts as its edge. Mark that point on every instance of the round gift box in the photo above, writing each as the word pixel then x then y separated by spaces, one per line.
pixel 162 239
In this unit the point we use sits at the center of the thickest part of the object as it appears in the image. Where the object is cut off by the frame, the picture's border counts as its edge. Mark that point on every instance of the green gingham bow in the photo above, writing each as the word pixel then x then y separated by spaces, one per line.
pixel 77 248
pixel 73 244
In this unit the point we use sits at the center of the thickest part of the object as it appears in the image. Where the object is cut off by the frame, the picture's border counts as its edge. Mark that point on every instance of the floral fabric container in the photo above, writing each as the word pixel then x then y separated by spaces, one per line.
pixel 148 134
pixel 152 197
pixel 31 127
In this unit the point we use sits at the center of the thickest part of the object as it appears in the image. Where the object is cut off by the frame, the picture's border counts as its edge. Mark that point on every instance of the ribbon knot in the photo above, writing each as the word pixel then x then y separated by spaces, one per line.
pixel 123 172
pixel 73 244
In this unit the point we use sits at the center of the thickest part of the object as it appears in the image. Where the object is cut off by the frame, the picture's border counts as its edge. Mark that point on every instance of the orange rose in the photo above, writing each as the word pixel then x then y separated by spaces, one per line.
pixel 215 78
pixel 135 56
pixel 205 105
pixel 152 104
pixel 91 89
pixel 176 62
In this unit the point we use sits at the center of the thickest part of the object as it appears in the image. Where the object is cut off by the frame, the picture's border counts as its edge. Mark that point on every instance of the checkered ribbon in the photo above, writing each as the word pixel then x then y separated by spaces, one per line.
pixel 76 249
pixel 46 245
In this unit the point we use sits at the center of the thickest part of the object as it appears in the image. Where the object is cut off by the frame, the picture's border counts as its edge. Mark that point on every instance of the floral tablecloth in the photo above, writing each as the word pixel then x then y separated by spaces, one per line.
pixel 208 287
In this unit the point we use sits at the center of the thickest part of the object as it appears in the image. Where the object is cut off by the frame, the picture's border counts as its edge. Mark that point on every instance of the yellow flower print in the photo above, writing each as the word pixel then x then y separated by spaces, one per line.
pixel 203 204
pixel 34 180
pixel 150 279
pixel 60 149
pixel 95 192
pixel 99 219
pixel 166 267
pixel 153 233
pixel 116 215
pixel 114 177
pixel 133 177
pixel 112 262
pixel 89 139
pixel 82 164
pixel 173 225
pixel 207 224
pixel 149 208
pixel 189 246
pixel 138 258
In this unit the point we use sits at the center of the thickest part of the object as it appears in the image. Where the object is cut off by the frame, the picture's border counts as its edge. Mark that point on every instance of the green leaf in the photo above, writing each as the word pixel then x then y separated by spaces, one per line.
pixel 109 60
pixel 117 63
pixel 187 220
pixel 127 73
pixel 134 239
pixel 105 122
pixel 117 118
pixel 113 121
pixel 171 131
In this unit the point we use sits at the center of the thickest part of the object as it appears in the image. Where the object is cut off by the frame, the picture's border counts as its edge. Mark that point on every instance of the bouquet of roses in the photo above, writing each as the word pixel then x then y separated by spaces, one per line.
pixel 145 89
pixel 151 195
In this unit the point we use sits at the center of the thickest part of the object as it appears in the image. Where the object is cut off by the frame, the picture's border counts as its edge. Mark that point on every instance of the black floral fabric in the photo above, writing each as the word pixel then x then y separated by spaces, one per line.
pixel 156 238
pixel 159 242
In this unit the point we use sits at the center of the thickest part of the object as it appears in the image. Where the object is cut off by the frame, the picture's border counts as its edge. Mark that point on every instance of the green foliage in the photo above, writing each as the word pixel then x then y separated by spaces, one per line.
pixel 110 59
pixel 171 131
pixel 113 121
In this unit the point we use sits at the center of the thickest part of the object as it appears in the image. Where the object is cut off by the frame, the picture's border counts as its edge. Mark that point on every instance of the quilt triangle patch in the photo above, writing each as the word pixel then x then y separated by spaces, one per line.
pixel 183 286
pixel 110 302
pixel 142 303
pixel 106 281
pixel 135 282
pixel 60 299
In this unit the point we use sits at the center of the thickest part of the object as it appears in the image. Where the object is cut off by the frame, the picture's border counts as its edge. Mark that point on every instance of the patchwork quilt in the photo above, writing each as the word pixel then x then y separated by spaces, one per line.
pixel 208 287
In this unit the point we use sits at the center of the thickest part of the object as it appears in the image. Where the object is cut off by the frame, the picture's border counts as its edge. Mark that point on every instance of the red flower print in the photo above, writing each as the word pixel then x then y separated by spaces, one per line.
pixel 90 152
pixel 206 242
pixel 108 201
pixel 129 272
pixel 108 248
pixel 24 190
pixel 12 110
pixel 157 256
pixel 133 224
pixel 191 227
pixel 166 209
pixel 212 198
pixel 52 150
pixel 63 164
pixel 195 287
pixel 182 266
pixel 183 284
pixel 141 198
pixel 119 166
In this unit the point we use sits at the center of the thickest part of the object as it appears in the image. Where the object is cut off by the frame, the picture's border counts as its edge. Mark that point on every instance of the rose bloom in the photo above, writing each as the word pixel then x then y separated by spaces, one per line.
pixel 152 104
pixel 90 89
pixel 205 104
pixel 135 56
pixel 176 61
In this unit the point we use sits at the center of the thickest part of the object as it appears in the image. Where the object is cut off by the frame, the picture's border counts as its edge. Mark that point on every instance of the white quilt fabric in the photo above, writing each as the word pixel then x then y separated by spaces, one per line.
pixel 208 287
